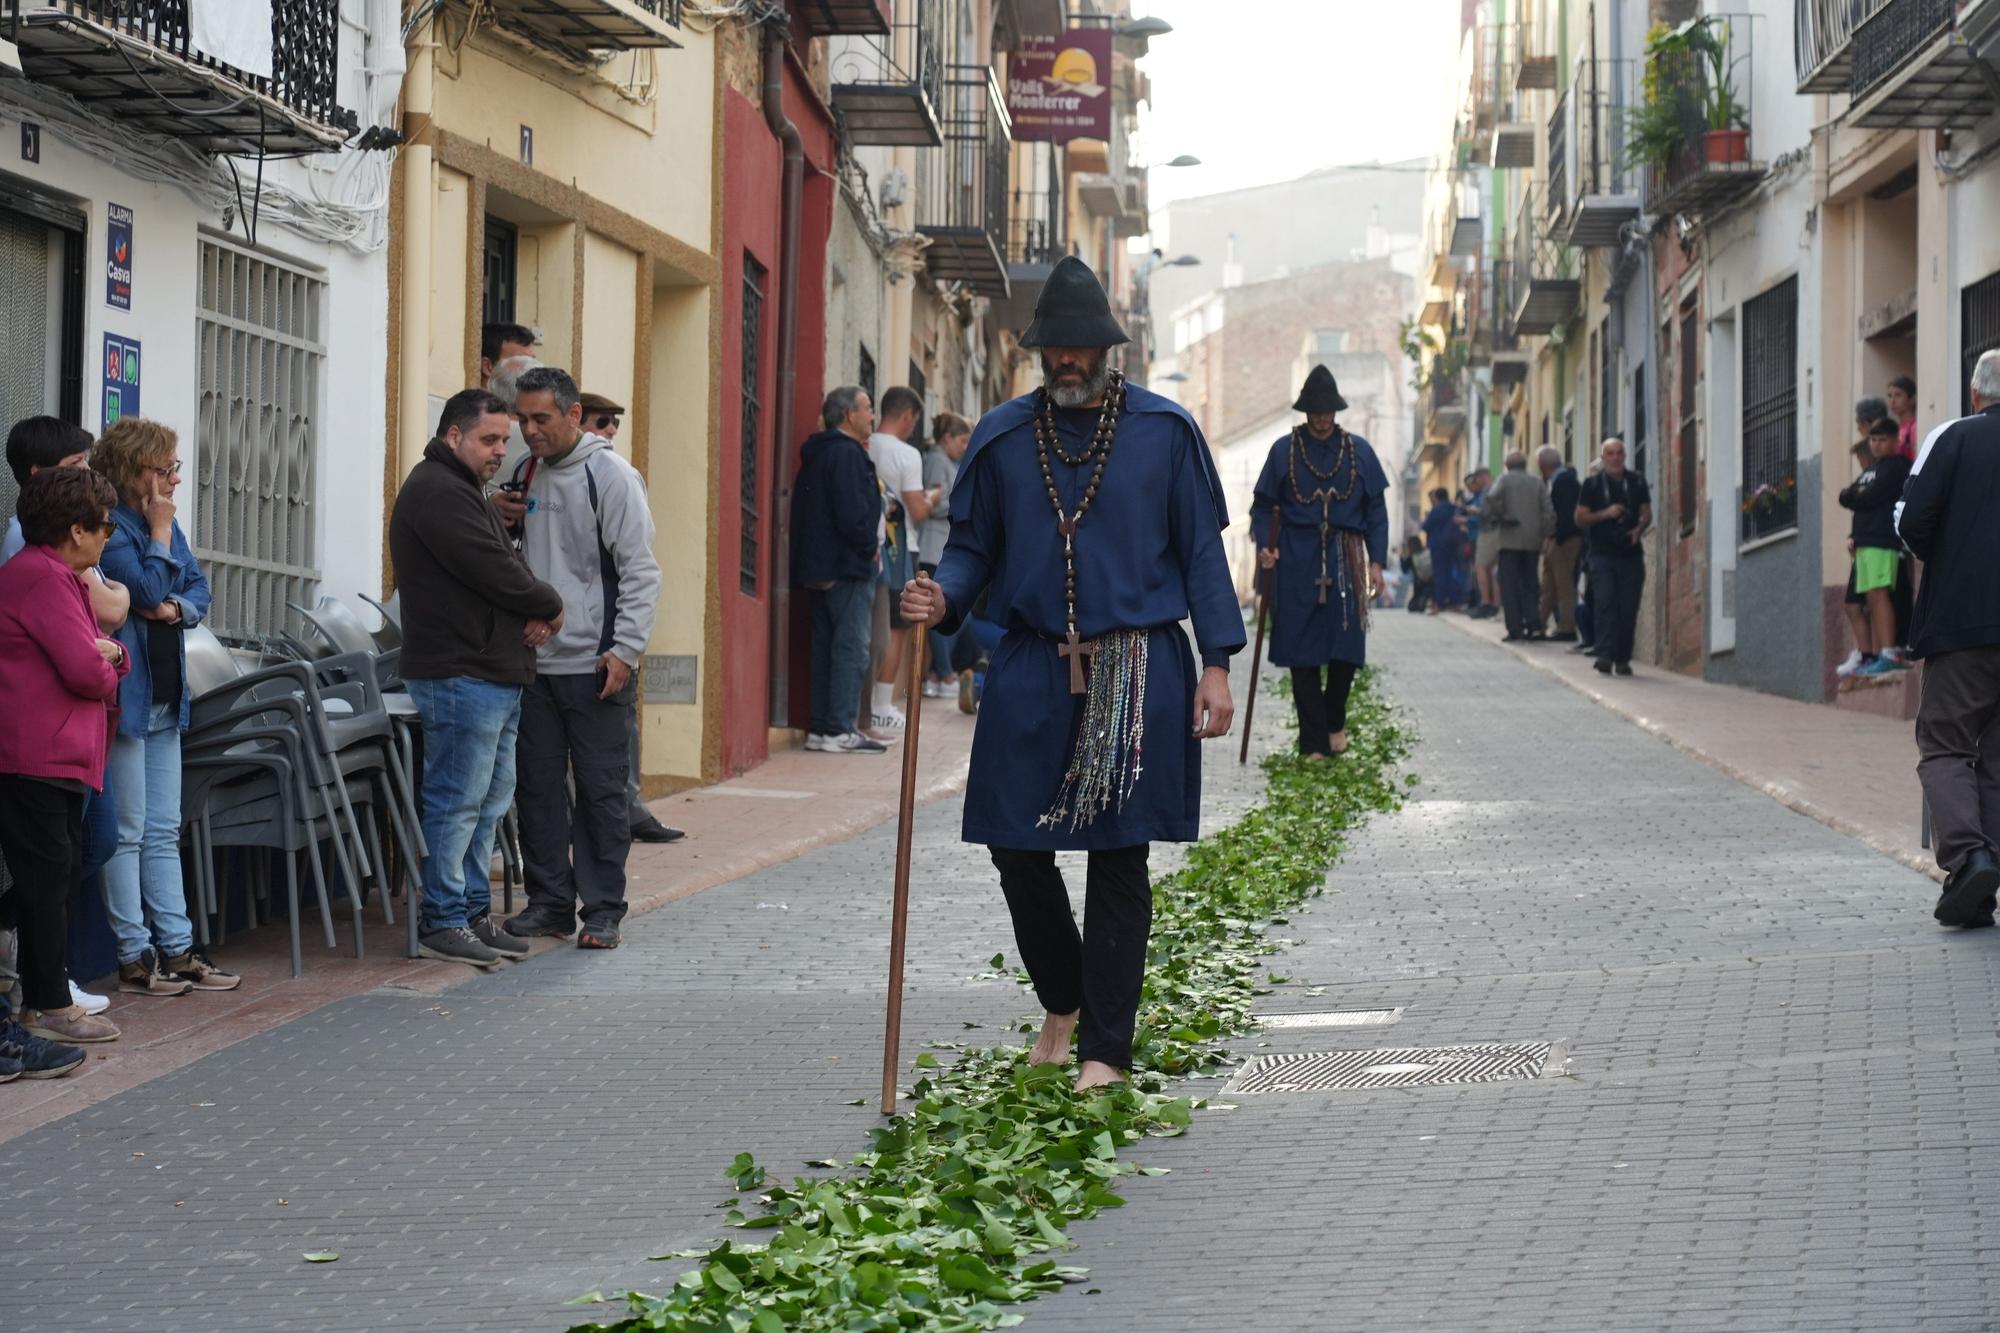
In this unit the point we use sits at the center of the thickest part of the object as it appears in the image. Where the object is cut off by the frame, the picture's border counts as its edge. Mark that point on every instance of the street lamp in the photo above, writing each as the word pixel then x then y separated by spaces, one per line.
pixel 1184 160
pixel 1141 29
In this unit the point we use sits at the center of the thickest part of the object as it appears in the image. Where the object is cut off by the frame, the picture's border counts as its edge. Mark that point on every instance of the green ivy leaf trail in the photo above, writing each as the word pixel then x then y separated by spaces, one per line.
pixel 960 1206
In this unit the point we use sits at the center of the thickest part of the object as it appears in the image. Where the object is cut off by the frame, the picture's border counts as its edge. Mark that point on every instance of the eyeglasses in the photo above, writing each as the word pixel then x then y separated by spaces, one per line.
pixel 172 469
pixel 605 422
pixel 103 527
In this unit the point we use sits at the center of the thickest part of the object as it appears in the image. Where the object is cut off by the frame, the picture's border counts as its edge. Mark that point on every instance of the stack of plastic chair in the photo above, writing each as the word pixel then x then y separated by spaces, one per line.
pixel 260 770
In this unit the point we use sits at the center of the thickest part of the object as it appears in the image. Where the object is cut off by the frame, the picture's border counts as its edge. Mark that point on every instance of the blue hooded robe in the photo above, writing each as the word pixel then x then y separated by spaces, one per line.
pixel 1303 632
pixel 1148 556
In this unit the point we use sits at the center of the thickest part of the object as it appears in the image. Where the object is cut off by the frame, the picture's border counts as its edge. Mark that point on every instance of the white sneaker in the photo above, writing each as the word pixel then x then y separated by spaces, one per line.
pixel 1850 666
pixel 92 1004
pixel 890 720
pixel 933 690
pixel 854 743
pixel 815 741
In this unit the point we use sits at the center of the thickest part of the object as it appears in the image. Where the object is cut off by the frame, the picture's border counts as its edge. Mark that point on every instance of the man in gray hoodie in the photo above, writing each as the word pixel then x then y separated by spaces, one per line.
pixel 586 527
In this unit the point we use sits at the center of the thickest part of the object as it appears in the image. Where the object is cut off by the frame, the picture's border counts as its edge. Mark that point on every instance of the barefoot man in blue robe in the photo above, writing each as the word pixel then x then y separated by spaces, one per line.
pixel 1090 515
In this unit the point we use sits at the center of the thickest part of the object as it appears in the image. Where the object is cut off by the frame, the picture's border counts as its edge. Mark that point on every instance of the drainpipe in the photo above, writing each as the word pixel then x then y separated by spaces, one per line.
pixel 413 369
pixel 791 206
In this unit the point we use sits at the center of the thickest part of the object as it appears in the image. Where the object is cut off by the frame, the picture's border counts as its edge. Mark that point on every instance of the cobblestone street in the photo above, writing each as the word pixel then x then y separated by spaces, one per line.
pixel 1777 1103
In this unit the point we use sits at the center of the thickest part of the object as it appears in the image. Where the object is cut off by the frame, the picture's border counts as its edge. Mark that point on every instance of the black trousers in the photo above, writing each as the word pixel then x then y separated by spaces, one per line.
pixel 1322 707
pixel 1098 970
pixel 1615 584
pixel 41 834
pixel 570 764
pixel 1521 590
pixel 1958 749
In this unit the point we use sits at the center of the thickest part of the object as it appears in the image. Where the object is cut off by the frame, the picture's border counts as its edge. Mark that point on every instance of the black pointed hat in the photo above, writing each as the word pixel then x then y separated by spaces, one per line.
pixel 1073 311
pixel 1321 394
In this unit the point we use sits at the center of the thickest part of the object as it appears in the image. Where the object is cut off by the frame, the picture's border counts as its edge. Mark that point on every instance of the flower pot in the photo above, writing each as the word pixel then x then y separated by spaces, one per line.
pixel 1722 147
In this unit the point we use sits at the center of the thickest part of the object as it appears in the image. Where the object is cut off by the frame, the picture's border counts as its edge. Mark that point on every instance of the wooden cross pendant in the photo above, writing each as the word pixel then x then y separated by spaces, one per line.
pixel 1076 651
pixel 1324 582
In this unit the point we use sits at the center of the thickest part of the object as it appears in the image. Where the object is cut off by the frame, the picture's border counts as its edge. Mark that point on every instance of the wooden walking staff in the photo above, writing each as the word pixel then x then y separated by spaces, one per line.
pixel 1265 577
pixel 899 913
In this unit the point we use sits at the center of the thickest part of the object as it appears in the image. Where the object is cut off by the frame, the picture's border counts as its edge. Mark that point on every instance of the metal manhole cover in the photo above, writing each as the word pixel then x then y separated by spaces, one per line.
pixel 1345 1018
pixel 1324 1071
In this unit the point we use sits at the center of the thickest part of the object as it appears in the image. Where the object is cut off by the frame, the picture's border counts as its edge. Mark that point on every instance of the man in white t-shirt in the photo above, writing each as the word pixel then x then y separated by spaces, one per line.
pixel 899 466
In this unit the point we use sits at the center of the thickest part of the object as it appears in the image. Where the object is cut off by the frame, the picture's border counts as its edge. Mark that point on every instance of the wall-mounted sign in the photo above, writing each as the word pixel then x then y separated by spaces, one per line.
pixel 121 379
pixel 31 141
pixel 527 145
pixel 669 678
pixel 118 256
pixel 1058 88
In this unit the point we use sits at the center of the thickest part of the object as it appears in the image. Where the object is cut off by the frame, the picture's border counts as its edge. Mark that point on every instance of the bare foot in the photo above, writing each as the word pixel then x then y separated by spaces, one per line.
pixel 1314 758
pixel 1339 742
pixel 1097 1074
pixel 1052 1047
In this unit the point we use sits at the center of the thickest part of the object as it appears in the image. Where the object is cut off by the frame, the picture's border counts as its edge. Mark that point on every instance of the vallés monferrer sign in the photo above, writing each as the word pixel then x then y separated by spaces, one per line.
pixel 1059 88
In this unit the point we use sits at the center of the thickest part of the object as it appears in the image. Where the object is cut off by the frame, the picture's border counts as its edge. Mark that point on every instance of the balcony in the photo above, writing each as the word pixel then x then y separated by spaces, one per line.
pixel 583 28
pixel 1823 41
pixel 1701 140
pixel 889 89
pixel 1543 274
pixel 1914 66
pixel 1509 364
pixel 1037 229
pixel 133 61
pixel 1594 193
pixel 1513 143
pixel 841 18
pixel 962 190
pixel 1133 218
pixel 1444 408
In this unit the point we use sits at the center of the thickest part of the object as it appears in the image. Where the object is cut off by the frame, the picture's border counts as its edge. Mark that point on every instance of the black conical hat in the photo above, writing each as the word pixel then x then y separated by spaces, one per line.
pixel 1073 311
pixel 1321 394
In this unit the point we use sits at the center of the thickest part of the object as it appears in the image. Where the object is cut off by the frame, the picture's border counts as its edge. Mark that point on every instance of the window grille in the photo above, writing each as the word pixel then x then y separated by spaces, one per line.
pixel 1639 421
pixel 753 418
pixel 1979 329
pixel 1684 486
pixel 1607 387
pixel 1770 411
pixel 261 347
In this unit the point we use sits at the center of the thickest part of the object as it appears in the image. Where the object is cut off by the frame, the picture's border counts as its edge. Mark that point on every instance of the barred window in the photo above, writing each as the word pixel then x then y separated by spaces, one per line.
pixel 261 347
pixel 753 419
pixel 1771 411
pixel 1686 475
pixel 1979 332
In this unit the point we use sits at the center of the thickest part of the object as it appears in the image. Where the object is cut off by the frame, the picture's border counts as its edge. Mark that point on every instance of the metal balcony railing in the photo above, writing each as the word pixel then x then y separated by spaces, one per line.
pixel 1892 34
pixel 1543 271
pixel 1913 67
pixel 1822 41
pixel 1592 192
pixel 135 61
pixel 889 89
pixel 1707 91
pixel 961 195
pixel 1558 173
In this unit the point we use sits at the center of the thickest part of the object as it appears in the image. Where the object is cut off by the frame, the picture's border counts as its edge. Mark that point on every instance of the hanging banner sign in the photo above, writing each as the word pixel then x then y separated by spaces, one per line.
pixel 118 256
pixel 121 379
pixel 1058 88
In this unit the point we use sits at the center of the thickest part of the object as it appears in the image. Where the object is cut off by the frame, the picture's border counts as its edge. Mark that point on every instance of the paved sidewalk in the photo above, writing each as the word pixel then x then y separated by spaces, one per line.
pixel 791 804
pixel 1851 771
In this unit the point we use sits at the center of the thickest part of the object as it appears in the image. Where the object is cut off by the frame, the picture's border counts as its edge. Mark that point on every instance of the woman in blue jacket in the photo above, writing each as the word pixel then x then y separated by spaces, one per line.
pixel 149 554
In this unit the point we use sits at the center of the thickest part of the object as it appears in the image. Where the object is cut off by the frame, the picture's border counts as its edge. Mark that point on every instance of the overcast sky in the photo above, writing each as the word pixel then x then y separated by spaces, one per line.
pixel 1265 90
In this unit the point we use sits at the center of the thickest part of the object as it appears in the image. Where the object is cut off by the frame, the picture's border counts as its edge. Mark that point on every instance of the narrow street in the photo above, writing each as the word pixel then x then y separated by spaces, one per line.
pixel 1779 1078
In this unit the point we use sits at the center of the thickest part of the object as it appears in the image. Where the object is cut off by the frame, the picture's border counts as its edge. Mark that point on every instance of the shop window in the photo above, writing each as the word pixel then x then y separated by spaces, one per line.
pixel 753 419
pixel 1979 329
pixel 1770 411
pixel 261 355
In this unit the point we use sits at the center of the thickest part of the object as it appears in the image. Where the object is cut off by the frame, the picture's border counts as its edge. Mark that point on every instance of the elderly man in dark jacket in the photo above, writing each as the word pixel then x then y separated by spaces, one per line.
pixel 837 513
pixel 473 616
pixel 1947 519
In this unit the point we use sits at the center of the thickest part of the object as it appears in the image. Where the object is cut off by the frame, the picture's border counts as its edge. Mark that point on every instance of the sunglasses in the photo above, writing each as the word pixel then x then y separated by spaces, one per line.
pixel 103 528
pixel 604 422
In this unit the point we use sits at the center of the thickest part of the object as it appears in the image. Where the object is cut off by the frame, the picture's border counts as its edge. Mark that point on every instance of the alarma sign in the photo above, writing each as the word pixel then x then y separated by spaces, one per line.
pixel 118 256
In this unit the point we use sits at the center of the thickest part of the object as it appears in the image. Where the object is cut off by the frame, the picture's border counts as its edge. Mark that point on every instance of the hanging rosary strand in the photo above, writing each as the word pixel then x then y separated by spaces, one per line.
pixel 1107 758
pixel 1324 495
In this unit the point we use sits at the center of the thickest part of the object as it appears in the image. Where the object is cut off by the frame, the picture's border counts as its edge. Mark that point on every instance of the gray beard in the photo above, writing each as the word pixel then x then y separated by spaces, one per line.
pixel 1084 394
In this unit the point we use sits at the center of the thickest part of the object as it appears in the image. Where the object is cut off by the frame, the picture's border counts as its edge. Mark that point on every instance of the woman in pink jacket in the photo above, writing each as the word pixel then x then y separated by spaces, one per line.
pixel 56 674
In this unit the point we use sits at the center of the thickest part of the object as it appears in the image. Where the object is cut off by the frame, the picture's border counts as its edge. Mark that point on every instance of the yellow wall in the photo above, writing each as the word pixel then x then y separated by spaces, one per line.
pixel 611 312
pixel 450 206
pixel 678 448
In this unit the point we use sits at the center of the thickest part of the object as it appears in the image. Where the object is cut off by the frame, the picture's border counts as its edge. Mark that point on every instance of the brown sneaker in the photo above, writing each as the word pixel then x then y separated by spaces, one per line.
pixel 195 969
pixel 71 1025
pixel 143 977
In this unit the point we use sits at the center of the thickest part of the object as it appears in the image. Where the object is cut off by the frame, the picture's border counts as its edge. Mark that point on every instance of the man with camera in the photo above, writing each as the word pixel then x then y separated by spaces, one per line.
pixel 585 525
pixel 473 617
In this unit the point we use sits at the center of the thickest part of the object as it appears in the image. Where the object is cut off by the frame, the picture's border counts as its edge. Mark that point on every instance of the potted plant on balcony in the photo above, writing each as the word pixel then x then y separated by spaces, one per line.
pixel 1727 136
pixel 1657 130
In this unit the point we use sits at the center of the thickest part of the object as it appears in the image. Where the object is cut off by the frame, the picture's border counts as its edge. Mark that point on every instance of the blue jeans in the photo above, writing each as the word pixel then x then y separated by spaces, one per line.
pixel 841 618
pixel 143 893
pixel 470 728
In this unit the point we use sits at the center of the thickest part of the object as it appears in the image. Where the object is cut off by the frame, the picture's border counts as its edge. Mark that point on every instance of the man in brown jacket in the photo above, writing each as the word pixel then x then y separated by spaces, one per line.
pixel 473 616
pixel 1519 512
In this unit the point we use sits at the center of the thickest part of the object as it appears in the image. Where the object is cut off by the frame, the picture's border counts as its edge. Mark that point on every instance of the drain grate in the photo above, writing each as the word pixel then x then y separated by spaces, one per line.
pixel 1344 1018
pixel 1324 1071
